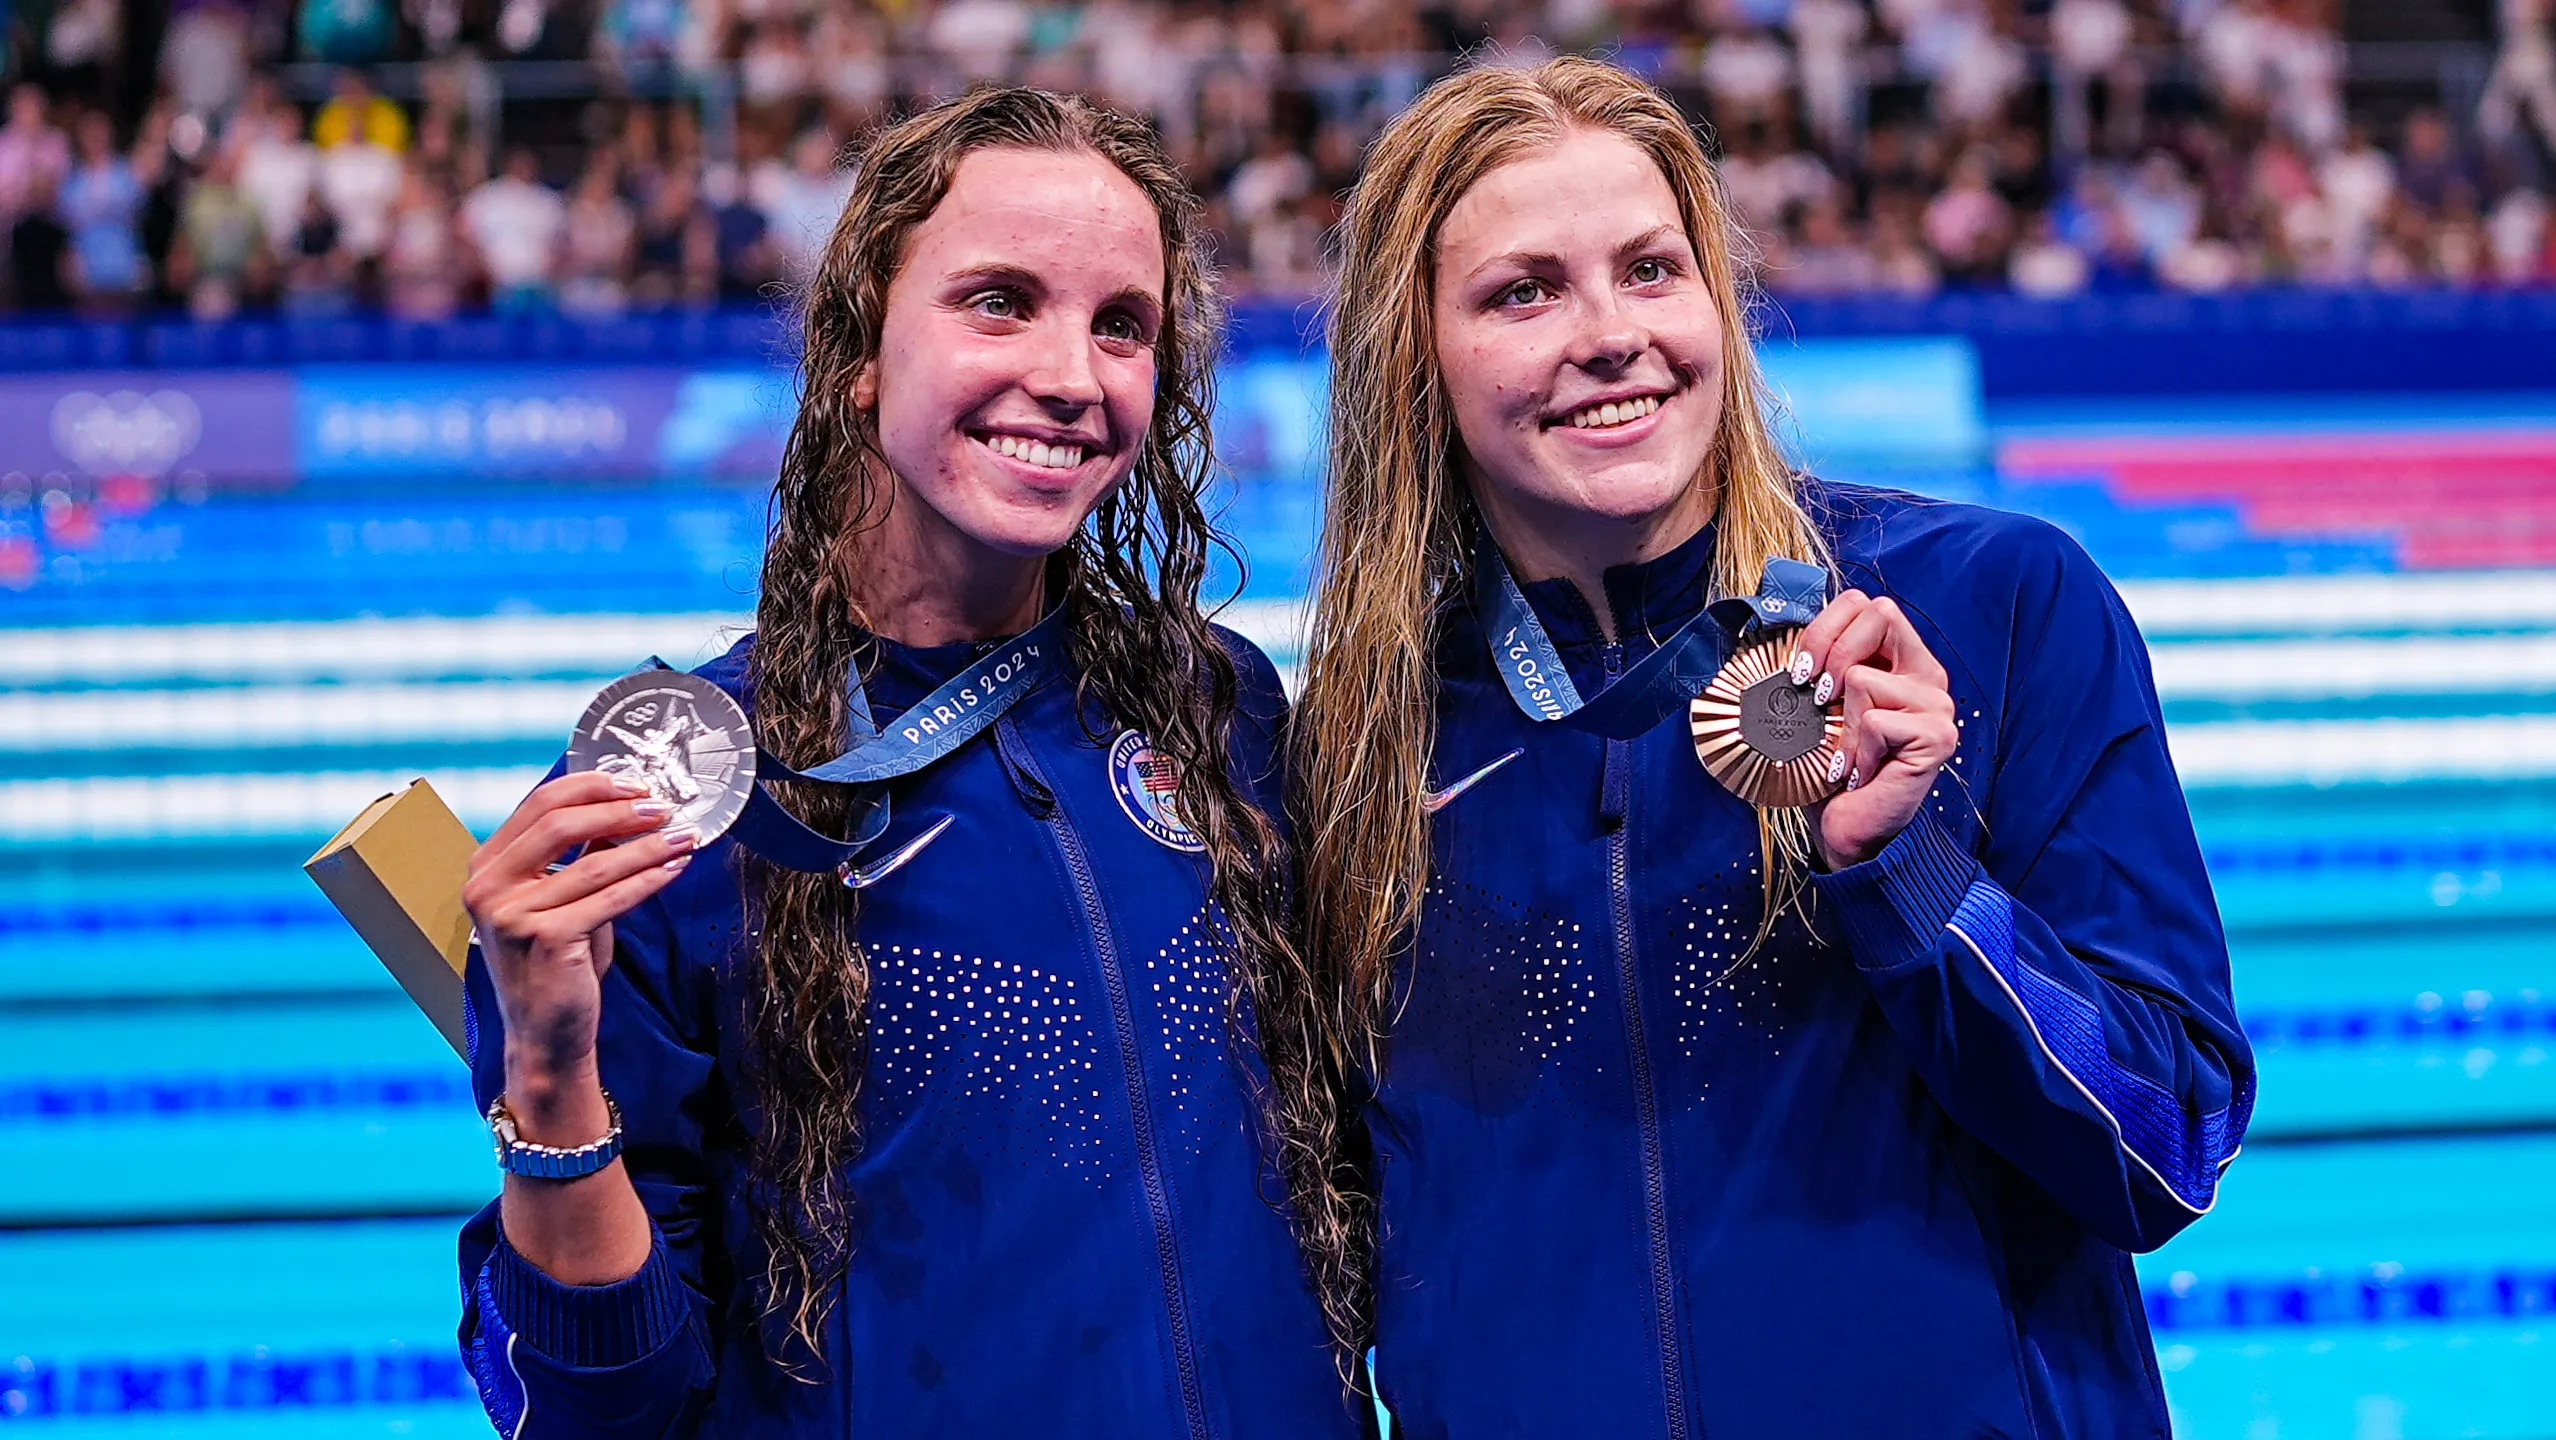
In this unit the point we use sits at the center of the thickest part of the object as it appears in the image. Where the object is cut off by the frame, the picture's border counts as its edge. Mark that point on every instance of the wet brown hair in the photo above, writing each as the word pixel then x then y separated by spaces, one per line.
pixel 1142 649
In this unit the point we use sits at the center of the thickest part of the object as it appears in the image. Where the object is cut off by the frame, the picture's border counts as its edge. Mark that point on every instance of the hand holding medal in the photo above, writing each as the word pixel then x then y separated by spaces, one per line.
pixel 1895 724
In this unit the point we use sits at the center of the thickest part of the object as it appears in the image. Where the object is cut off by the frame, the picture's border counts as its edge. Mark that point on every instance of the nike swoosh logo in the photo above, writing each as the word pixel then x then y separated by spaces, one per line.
pixel 1437 800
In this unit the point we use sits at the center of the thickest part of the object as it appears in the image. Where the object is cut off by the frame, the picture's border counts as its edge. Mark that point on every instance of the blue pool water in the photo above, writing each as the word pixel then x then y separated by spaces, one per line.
pixel 236 1157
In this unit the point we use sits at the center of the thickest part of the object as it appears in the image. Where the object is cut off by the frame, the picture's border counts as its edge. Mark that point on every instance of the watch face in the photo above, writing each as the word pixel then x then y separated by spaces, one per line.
pixel 1760 735
pixel 679 735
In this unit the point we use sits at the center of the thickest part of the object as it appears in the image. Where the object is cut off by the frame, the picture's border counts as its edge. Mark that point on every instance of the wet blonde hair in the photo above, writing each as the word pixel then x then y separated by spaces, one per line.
pixel 1398 519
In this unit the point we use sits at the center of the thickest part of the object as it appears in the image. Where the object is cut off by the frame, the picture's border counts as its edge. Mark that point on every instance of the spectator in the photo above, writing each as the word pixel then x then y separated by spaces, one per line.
pixel 1270 181
pixel 39 251
pixel 640 34
pixel 1765 187
pixel 741 235
pixel 2358 183
pixel 33 154
pixel 2458 242
pixel 2518 237
pixel 2208 262
pixel 1825 258
pixel 2090 43
pixel 1748 75
pixel 1900 265
pixel 595 248
pixel 2160 206
pixel 163 178
pixel 100 203
pixel 1966 224
pixel 221 242
pixel 359 180
pixel 277 169
pixel 801 201
pixel 2431 166
pixel 664 232
pixel 515 221
pixel 425 260
pixel 2044 266
pixel 354 115
pixel 319 275
pixel 1827 35
pixel 2523 85
pixel 204 57
pixel 345 32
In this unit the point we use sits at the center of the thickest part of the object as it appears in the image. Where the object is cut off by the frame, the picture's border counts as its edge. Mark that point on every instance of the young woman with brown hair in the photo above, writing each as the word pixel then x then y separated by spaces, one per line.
pixel 1835 1114
pixel 977 1147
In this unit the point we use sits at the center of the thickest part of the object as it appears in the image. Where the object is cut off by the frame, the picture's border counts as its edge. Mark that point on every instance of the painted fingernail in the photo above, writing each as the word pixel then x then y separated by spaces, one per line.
pixel 629 785
pixel 652 809
pixel 1827 690
pixel 1801 667
pixel 1855 777
pixel 676 863
pixel 683 839
pixel 1836 767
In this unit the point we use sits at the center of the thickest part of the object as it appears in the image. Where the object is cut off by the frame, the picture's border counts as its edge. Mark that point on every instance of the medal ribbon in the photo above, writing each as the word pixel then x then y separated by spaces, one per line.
pixel 962 708
pixel 1789 593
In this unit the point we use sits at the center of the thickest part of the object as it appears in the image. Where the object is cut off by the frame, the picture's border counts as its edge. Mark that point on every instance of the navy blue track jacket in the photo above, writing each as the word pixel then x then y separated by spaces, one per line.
pixel 1063 1211
pixel 1880 1179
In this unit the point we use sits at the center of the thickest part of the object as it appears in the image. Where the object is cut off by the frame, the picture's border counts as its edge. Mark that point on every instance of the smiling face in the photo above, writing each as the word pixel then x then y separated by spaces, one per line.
pixel 1015 380
pixel 1581 352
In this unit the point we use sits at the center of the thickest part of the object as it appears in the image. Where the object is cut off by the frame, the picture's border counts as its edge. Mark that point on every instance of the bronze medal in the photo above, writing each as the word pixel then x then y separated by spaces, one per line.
pixel 1760 735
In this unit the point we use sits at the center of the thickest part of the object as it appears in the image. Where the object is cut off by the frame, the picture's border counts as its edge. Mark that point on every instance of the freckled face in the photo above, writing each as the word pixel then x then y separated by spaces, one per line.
pixel 1580 347
pixel 1015 380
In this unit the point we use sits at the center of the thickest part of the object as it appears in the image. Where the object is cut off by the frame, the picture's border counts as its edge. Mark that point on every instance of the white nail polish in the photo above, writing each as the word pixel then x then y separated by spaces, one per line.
pixel 1855 778
pixel 1827 690
pixel 1836 767
pixel 1801 667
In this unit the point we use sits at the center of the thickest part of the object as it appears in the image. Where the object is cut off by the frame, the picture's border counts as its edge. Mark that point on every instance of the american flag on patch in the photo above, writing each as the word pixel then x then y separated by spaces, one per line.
pixel 1161 777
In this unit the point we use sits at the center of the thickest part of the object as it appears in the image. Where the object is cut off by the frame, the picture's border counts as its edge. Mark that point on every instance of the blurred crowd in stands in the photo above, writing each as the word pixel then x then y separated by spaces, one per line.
pixel 426 156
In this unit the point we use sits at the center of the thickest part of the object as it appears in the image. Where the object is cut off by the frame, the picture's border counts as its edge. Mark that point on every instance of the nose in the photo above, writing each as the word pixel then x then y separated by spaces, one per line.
pixel 1610 335
pixel 1062 378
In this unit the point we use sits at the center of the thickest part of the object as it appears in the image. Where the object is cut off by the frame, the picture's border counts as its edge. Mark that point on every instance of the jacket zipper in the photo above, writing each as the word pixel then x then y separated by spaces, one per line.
pixel 1148 1163
pixel 1618 804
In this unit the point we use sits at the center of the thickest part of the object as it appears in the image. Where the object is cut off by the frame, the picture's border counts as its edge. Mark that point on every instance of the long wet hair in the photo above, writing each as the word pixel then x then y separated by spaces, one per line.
pixel 1398 518
pixel 1142 651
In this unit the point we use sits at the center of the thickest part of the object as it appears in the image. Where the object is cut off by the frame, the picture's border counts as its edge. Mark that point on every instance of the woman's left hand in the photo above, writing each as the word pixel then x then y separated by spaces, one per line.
pixel 1899 730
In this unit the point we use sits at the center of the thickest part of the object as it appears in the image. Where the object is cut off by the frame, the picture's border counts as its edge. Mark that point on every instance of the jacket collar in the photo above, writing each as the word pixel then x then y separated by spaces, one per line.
pixel 1650 598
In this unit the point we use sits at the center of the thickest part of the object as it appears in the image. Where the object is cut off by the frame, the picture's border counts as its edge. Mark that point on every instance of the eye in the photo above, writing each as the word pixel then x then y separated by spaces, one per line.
pixel 1523 292
pixel 1650 270
pixel 1119 326
pixel 999 305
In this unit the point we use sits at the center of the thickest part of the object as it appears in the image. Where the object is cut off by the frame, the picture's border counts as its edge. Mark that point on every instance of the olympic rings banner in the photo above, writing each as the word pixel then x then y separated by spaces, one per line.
pixel 464 423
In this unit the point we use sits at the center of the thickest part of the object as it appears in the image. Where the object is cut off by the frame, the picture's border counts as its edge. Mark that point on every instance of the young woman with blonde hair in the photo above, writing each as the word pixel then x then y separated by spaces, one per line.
pixel 1693 1117
pixel 971 1144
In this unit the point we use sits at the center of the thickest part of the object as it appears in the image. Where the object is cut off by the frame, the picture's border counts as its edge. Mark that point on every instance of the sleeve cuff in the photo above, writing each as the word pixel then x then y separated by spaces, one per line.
pixel 590 1327
pixel 1893 907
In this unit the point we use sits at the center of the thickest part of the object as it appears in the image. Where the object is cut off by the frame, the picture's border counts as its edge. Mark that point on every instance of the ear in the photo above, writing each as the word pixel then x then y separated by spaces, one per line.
pixel 865 386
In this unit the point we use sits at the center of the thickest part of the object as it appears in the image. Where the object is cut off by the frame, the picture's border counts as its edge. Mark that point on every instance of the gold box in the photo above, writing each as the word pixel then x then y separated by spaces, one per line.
pixel 395 872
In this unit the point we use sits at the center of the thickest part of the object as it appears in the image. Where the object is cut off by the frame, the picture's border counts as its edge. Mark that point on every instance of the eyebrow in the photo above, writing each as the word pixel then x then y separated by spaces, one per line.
pixel 1536 259
pixel 996 271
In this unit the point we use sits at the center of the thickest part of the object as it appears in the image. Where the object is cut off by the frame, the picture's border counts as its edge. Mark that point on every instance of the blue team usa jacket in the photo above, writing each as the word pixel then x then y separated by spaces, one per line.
pixel 1064 1222
pixel 1883 1177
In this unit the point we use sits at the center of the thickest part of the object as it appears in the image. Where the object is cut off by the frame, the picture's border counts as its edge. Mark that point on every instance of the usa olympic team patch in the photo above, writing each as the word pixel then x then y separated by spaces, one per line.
pixel 1148 788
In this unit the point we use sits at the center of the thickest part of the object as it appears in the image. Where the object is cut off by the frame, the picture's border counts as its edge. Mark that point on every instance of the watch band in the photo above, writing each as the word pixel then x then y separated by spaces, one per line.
pixel 518 1156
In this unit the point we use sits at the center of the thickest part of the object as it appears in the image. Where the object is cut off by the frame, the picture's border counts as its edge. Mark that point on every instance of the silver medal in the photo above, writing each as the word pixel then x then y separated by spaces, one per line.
pixel 678 734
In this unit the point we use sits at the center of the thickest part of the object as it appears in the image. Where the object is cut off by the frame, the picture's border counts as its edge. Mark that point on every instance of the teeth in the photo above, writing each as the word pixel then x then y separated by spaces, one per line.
pixel 1620 412
pixel 1036 452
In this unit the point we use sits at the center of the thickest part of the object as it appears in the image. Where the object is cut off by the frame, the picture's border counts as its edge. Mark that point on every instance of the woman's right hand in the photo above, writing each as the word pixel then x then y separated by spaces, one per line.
pixel 547 937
